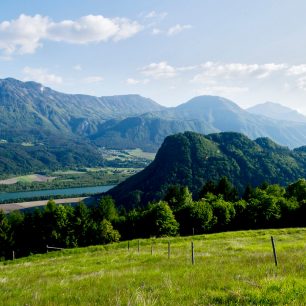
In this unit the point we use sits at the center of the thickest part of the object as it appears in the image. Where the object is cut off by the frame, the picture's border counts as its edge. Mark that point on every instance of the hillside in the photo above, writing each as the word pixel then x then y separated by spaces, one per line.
pixel 61 153
pixel 191 159
pixel 224 272
pixel 29 109
pixel 146 132
pixel 277 111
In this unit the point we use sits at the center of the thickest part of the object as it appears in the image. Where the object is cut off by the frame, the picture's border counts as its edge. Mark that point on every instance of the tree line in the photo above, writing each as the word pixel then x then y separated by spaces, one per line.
pixel 217 208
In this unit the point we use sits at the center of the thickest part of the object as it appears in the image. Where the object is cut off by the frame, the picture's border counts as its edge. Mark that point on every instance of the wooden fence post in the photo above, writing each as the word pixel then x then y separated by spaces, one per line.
pixel 13 255
pixel 192 252
pixel 274 251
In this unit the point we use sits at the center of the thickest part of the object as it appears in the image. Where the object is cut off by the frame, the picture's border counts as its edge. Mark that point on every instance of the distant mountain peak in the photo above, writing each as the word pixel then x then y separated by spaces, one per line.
pixel 277 111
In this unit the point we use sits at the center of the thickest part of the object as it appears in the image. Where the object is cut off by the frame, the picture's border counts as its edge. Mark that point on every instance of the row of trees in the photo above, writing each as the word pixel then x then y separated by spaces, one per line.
pixel 218 208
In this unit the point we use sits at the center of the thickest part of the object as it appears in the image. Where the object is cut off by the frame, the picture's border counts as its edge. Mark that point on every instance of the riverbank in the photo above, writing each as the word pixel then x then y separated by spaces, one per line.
pixel 13 197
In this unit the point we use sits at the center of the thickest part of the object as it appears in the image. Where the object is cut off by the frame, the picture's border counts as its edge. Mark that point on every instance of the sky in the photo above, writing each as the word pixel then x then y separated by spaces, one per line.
pixel 168 50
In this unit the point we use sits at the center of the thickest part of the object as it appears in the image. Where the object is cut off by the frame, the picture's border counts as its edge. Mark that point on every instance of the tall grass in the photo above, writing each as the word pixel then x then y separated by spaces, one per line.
pixel 233 268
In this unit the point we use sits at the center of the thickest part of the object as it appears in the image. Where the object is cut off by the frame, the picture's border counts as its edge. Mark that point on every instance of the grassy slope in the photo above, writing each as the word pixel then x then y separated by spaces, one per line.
pixel 230 269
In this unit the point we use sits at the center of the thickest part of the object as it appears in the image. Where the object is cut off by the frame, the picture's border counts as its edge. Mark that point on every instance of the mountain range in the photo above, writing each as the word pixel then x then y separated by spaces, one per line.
pixel 203 114
pixel 191 159
pixel 33 113
pixel 277 111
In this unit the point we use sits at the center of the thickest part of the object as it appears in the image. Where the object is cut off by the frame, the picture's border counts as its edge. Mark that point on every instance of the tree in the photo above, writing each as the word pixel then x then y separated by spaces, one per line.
pixel 106 209
pixel 209 187
pixel 81 223
pixel 178 196
pixel 223 211
pixel 195 215
pixel 263 209
pixel 5 236
pixel 159 220
pixel 297 190
pixel 105 233
pixel 57 225
pixel 226 189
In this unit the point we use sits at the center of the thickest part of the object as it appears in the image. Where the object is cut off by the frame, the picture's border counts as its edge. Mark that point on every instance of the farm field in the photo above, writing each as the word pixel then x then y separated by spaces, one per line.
pixel 27 179
pixel 232 268
pixel 119 165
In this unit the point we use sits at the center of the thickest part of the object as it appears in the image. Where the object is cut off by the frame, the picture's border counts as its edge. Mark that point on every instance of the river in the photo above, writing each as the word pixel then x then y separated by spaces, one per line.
pixel 54 192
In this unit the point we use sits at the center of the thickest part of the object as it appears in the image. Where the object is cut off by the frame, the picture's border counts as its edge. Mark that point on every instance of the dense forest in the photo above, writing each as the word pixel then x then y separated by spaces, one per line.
pixel 216 208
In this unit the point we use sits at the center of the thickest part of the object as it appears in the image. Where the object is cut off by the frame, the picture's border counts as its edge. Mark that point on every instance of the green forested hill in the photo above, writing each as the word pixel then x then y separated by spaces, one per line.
pixel 191 159
pixel 59 153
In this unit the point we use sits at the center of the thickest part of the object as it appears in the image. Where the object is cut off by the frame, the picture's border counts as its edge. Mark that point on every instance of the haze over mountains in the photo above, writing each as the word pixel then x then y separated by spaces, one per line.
pixel 277 111
pixel 33 113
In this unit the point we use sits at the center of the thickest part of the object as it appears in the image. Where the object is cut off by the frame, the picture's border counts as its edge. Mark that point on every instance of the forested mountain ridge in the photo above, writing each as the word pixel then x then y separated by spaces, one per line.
pixel 191 159
pixel 32 112
pixel 28 107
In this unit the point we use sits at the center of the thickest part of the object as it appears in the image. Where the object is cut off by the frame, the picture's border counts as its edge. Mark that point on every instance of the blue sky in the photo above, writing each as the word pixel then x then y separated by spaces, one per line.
pixel 170 51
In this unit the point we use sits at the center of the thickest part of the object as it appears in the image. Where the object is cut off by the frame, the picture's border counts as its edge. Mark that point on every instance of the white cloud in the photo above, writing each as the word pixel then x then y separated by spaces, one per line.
pixel 23 35
pixel 214 70
pixel 93 79
pixel 41 76
pixel 160 70
pixel 154 14
pixel 178 28
pixel 297 69
pixel 132 81
pixel 26 33
pixel 163 70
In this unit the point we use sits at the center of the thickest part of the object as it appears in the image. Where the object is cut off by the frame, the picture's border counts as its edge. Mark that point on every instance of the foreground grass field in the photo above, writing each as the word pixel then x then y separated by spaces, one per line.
pixel 233 268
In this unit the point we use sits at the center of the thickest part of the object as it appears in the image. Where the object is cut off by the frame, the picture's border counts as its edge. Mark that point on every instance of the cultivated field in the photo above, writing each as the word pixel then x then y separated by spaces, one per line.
pixel 27 179
pixel 233 268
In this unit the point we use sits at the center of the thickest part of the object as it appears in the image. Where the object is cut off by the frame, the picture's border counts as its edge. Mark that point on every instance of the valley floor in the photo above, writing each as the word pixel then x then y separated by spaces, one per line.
pixel 232 268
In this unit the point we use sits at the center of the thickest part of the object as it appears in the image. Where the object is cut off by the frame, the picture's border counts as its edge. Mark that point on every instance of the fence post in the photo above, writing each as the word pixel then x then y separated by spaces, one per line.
pixel 193 231
pixel 274 251
pixel 192 252
pixel 13 255
pixel 47 248
pixel 169 249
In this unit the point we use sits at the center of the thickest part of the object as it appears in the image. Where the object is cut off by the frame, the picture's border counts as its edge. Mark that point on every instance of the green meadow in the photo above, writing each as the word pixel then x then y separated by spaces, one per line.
pixel 232 268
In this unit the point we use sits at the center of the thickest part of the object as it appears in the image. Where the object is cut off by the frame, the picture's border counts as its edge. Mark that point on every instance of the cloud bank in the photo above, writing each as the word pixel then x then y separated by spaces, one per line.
pixel 26 33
